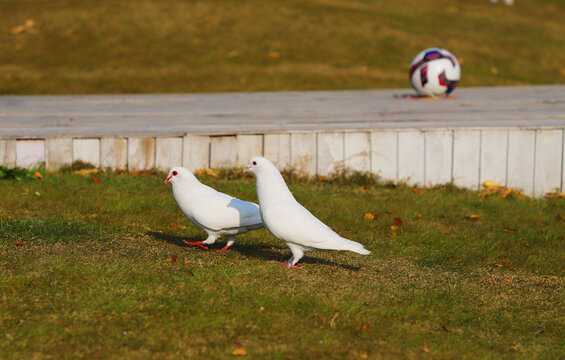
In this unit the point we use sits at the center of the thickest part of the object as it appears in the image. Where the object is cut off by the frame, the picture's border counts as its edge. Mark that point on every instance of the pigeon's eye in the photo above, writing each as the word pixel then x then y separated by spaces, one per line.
pixel 175 173
pixel 254 162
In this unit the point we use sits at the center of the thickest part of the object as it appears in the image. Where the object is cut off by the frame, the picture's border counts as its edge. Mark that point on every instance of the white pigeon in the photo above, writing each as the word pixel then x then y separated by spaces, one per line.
pixel 288 220
pixel 212 211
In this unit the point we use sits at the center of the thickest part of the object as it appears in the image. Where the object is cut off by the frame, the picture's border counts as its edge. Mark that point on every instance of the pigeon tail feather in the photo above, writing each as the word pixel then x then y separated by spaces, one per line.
pixel 355 247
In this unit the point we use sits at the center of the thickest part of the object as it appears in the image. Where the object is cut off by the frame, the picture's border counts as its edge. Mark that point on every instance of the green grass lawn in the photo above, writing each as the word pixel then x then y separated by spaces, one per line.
pixel 98 270
pixel 152 46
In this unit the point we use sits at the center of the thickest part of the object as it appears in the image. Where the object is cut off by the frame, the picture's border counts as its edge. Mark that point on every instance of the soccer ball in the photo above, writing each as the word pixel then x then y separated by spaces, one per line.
pixel 435 72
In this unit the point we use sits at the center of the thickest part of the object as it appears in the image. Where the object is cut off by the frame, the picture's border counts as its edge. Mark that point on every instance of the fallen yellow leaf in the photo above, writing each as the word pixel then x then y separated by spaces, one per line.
pixel 474 217
pixel 369 216
pixel 38 175
pixel 17 30
pixel 206 171
pixel 394 227
pixel 85 172
pixel 507 192
pixel 239 352
pixel 492 185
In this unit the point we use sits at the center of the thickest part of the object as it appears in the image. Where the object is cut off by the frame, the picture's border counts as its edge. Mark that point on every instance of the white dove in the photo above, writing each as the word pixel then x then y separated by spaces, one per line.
pixel 288 220
pixel 214 212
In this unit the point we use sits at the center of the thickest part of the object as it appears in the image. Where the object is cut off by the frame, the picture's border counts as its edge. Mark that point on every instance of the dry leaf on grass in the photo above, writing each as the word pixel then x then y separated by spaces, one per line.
pixel 85 172
pixel 492 187
pixel 239 352
pixel 446 328
pixel 369 216
pixel 207 171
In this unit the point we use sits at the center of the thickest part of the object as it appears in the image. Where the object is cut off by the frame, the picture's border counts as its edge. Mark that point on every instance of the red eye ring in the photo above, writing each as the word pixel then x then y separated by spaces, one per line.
pixel 175 173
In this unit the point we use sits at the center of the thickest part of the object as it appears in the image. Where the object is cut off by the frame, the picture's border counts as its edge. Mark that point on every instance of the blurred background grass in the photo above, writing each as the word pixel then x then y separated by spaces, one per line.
pixel 152 46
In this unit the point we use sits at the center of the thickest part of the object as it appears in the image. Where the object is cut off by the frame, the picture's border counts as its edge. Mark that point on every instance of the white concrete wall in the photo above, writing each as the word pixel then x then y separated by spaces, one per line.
pixel 8 152
pixel 530 160
pixel 196 152
pixel 384 154
pixel 59 152
pixel 141 153
pixel 30 153
pixel 87 150
pixel 303 152
pixel 223 151
pixel 466 158
pixel 330 152
pixel 168 152
pixel 114 153
pixel 248 146
pixel 276 147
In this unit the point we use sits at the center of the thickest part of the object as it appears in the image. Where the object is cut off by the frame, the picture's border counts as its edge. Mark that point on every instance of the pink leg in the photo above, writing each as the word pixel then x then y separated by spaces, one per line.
pixel 196 243
pixel 231 240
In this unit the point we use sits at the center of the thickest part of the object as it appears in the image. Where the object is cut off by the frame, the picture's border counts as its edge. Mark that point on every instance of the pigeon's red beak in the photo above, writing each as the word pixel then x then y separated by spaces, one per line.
pixel 167 179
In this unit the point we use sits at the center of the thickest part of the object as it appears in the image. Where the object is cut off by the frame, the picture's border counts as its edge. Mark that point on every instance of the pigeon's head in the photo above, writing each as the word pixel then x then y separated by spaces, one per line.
pixel 178 174
pixel 258 164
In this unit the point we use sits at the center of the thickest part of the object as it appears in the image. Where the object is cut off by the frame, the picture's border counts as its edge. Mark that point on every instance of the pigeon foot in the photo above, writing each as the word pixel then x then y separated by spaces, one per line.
pixel 196 243
pixel 225 248
pixel 287 265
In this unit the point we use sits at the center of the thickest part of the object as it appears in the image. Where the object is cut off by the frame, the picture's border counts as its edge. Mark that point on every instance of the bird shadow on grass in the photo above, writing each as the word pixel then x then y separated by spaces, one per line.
pixel 258 251
pixel 266 252
pixel 172 239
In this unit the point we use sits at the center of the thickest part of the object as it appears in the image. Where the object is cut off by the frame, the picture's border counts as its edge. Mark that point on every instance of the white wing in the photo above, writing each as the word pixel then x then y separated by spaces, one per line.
pixel 218 211
pixel 292 222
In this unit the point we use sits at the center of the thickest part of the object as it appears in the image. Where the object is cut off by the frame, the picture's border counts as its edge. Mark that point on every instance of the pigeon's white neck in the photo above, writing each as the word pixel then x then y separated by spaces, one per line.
pixel 183 187
pixel 271 187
